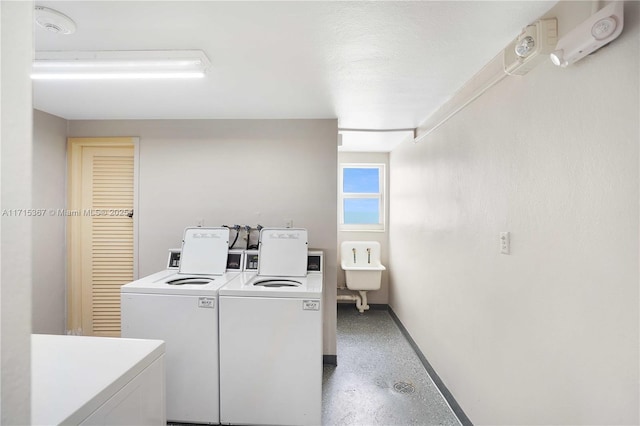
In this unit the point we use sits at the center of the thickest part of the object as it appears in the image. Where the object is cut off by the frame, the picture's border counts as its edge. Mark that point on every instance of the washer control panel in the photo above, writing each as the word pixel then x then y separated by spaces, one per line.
pixel 247 260
pixel 174 259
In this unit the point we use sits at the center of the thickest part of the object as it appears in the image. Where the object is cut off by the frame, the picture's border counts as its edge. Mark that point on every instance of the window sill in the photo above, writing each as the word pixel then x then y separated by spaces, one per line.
pixel 347 228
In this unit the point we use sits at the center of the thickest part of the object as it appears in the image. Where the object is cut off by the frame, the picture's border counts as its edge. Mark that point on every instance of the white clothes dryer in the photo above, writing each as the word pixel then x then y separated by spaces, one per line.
pixel 271 337
pixel 181 308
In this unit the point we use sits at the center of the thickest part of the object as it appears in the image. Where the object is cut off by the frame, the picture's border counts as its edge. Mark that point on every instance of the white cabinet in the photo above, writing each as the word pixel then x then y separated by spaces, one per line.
pixel 97 381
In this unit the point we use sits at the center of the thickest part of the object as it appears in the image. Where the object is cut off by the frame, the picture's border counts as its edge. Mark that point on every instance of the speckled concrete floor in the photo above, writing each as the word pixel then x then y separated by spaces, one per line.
pixel 373 357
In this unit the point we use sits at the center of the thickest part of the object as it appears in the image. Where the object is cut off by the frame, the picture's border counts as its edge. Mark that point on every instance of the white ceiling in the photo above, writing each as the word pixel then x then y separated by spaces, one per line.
pixel 371 65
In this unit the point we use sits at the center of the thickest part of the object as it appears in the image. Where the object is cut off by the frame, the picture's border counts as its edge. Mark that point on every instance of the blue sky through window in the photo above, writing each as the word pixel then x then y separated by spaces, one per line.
pixel 360 180
pixel 359 211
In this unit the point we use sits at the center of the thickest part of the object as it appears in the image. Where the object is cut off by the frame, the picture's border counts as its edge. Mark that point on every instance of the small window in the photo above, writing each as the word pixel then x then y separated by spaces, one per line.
pixel 361 197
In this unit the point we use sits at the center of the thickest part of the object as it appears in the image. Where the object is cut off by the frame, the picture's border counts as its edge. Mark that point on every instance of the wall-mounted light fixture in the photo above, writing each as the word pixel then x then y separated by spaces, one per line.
pixel 601 28
pixel 531 47
pixel 128 64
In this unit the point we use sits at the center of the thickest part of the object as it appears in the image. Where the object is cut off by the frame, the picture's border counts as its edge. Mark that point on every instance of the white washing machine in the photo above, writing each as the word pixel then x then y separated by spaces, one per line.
pixel 181 308
pixel 271 337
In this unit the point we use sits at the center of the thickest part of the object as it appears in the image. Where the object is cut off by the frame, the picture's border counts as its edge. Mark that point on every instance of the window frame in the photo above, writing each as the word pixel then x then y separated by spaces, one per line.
pixel 380 196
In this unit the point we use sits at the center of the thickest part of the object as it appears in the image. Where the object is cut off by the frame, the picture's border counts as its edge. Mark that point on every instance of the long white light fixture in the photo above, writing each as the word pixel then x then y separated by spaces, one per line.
pixel 119 65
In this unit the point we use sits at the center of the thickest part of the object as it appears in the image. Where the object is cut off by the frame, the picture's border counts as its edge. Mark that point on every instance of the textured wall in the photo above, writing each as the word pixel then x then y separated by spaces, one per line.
pixel 49 251
pixel 16 54
pixel 549 333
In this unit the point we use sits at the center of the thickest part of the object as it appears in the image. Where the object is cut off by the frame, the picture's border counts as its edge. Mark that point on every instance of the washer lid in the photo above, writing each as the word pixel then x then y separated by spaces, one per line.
pixel 251 285
pixel 204 251
pixel 180 284
pixel 283 252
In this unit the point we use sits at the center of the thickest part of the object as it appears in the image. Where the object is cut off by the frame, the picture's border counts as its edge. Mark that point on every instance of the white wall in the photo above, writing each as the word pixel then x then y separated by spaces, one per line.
pixel 16 53
pixel 49 192
pixel 379 296
pixel 548 334
pixel 233 172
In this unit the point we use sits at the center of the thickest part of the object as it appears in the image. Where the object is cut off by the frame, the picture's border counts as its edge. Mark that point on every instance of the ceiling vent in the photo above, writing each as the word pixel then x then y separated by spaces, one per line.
pixel 54 21
pixel 531 47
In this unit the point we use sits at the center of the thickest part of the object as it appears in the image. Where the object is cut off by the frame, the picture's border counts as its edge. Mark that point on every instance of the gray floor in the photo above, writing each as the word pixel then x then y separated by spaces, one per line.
pixel 379 379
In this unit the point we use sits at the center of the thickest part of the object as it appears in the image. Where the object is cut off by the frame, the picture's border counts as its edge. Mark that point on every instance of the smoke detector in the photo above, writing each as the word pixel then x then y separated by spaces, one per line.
pixel 54 21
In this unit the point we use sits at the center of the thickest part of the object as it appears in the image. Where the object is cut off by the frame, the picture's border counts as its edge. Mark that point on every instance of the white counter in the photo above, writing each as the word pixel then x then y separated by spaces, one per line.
pixel 92 380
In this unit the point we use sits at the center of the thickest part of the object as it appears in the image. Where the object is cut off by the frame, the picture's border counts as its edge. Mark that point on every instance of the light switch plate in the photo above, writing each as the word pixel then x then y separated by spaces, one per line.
pixel 505 244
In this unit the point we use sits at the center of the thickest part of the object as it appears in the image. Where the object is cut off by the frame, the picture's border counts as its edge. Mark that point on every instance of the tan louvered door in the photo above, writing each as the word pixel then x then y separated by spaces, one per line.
pixel 105 238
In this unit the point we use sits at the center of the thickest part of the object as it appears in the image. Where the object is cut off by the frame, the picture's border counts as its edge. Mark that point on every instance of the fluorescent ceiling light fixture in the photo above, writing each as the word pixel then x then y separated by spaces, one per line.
pixel 120 65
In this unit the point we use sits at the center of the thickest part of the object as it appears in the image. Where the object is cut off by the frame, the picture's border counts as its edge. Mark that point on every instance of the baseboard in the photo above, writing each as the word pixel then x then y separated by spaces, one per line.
pixel 378 307
pixel 345 304
pixel 457 410
pixel 330 359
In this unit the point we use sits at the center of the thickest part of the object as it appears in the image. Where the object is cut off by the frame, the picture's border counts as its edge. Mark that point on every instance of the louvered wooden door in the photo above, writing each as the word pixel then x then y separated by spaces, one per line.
pixel 102 256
